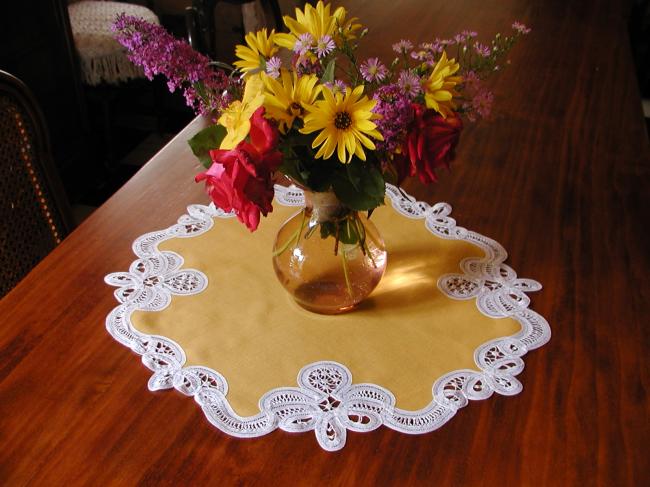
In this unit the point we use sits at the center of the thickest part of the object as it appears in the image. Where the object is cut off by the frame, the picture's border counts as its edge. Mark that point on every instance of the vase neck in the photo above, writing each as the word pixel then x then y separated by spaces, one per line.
pixel 317 199
pixel 324 205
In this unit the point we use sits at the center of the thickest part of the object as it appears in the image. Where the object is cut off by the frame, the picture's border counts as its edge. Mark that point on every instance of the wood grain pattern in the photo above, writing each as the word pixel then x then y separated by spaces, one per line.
pixel 560 176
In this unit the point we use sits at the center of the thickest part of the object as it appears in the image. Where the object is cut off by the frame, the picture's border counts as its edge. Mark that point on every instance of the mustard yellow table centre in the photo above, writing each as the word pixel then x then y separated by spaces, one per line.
pixel 449 322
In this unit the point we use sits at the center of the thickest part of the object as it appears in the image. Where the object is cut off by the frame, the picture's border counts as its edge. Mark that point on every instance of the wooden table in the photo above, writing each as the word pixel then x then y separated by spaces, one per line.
pixel 560 176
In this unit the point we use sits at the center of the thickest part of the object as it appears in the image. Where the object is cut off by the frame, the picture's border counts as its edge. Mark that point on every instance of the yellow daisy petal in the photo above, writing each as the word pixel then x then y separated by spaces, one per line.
pixel 439 87
pixel 289 97
pixel 259 46
pixel 318 21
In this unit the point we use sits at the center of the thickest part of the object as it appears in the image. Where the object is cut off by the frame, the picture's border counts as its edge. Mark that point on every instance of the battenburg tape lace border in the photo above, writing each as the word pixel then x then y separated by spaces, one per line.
pixel 326 400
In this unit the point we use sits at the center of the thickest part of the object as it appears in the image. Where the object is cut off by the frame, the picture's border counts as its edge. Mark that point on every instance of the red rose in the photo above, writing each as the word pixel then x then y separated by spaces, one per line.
pixel 263 134
pixel 430 142
pixel 241 179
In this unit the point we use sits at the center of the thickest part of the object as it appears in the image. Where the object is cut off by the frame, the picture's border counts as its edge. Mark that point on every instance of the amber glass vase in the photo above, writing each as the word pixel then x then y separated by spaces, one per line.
pixel 327 256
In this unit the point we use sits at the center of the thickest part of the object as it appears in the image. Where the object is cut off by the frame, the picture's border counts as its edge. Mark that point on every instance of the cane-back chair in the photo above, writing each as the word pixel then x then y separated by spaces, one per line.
pixel 34 214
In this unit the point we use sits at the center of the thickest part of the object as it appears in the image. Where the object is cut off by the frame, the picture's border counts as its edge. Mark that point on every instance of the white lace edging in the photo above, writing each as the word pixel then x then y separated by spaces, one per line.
pixel 326 400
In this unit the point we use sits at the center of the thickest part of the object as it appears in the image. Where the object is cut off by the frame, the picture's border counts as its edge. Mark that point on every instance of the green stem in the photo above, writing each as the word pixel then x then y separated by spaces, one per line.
pixel 364 246
pixel 302 226
pixel 310 231
pixel 345 272
pixel 336 242
pixel 369 254
pixel 361 233
pixel 372 238
pixel 295 237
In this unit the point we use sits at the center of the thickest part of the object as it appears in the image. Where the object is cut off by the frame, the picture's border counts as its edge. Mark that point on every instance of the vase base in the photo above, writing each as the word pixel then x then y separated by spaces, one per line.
pixel 330 297
pixel 321 310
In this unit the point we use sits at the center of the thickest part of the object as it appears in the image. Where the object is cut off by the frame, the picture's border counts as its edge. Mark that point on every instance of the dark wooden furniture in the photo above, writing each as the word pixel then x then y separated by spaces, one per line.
pixel 201 24
pixel 560 176
pixel 36 45
pixel 34 211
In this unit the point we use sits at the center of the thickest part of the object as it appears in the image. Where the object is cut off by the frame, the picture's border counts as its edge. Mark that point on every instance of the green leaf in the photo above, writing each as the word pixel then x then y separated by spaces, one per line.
pixel 353 176
pixel 368 189
pixel 328 74
pixel 204 141
pixel 320 174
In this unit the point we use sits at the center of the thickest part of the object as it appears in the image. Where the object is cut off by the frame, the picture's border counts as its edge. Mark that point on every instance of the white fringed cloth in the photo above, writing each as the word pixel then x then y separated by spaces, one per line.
pixel 103 59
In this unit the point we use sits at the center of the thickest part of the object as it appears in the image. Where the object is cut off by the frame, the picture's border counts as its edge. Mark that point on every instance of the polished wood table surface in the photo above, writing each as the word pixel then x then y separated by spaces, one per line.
pixel 560 176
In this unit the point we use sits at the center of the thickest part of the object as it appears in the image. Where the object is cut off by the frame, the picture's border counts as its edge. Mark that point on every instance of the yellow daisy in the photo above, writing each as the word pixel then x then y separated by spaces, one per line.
pixel 439 88
pixel 260 45
pixel 319 22
pixel 345 122
pixel 286 97
pixel 236 118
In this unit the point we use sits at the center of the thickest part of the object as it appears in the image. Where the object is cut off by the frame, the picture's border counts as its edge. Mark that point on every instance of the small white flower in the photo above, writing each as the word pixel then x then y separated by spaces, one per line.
pixel 273 66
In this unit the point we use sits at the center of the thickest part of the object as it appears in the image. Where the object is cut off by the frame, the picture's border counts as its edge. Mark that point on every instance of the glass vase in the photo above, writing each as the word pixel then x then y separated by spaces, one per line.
pixel 327 256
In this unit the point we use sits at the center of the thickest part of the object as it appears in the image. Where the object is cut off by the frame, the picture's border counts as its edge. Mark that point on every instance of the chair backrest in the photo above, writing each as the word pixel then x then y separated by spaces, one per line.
pixel 202 27
pixel 34 213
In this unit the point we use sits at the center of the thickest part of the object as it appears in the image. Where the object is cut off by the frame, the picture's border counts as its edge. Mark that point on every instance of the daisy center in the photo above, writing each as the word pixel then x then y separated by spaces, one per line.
pixel 296 109
pixel 342 120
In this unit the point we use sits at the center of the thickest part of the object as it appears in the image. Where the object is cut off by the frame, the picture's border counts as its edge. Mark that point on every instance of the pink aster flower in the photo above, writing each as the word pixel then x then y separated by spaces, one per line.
pixel 482 50
pixel 304 43
pixel 402 46
pixel 469 34
pixel 273 66
pixel 409 83
pixel 373 70
pixel 482 103
pixel 422 55
pixel 324 46
pixel 479 103
pixel 437 46
pixel 521 28
pixel 337 87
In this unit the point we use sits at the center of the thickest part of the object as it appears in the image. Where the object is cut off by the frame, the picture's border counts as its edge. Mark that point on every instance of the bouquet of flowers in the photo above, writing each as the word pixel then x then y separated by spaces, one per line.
pixel 303 105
